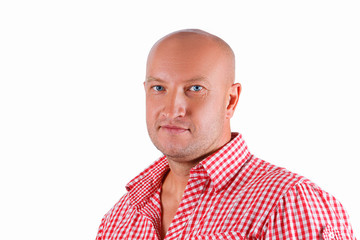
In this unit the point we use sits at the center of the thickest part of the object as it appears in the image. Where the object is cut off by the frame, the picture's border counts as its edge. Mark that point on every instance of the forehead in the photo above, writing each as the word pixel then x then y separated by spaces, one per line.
pixel 184 59
pixel 191 81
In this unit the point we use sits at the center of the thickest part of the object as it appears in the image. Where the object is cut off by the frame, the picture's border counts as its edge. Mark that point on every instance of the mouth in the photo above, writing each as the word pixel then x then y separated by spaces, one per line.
pixel 174 129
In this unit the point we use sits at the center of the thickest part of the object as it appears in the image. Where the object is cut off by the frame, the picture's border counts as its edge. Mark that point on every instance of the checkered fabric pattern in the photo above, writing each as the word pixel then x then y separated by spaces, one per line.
pixel 230 195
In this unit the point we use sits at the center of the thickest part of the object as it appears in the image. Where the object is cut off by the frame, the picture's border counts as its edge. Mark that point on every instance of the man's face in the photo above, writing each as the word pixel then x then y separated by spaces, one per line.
pixel 186 99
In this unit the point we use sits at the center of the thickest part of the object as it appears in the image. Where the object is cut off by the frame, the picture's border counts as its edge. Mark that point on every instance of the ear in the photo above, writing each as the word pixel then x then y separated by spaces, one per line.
pixel 234 94
pixel 144 86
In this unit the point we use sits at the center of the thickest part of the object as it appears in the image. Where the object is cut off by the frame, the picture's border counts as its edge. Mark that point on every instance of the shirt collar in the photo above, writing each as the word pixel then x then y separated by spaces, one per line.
pixel 221 166
pixel 142 187
pixel 226 162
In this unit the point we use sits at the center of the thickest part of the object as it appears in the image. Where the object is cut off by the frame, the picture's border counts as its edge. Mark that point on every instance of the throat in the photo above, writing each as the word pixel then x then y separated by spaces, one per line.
pixel 171 194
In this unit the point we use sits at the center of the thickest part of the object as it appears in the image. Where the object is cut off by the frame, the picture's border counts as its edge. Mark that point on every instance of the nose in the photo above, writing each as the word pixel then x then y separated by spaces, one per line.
pixel 174 105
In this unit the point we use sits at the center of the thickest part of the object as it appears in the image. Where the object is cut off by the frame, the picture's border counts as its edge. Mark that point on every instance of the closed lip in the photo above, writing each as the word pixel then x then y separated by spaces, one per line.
pixel 174 128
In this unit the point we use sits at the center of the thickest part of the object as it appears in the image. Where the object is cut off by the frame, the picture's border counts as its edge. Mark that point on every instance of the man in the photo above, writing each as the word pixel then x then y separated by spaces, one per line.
pixel 208 185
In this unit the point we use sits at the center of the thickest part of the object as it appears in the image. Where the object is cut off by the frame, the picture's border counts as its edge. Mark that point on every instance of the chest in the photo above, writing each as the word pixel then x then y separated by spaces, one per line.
pixel 202 213
pixel 215 218
pixel 169 207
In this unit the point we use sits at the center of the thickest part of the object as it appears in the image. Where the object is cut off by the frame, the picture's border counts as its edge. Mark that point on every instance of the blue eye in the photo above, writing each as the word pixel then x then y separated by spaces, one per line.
pixel 158 88
pixel 196 88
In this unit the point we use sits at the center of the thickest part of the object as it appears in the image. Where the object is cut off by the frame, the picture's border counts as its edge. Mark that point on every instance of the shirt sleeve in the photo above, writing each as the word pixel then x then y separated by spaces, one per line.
pixel 110 219
pixel 100 230
pixel 307 212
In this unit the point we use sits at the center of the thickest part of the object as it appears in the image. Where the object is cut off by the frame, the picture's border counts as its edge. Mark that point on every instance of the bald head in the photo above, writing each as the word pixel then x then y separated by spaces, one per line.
pixel 191 44
pixel 190 94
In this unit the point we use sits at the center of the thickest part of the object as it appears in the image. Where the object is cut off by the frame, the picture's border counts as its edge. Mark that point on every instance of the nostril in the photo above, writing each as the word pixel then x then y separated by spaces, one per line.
pixel 164 114
pixel 174 105
pixel 173 112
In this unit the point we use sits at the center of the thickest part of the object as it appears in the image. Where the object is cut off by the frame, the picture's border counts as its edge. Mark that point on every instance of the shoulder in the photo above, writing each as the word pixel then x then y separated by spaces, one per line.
pixel 119 209
pixel 300 207
pixel 261 185
pixel 291 188
pixel 295 207
pixel 112 217
pixel 320 207
pixel 264 178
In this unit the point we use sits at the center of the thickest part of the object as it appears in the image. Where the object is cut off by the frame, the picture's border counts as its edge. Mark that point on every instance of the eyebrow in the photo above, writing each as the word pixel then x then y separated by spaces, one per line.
pixel 191 80
pixel 152 79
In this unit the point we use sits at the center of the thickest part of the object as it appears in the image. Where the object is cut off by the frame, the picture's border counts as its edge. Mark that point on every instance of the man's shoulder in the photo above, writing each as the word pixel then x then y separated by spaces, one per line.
pixel 271 177
pixel 120 207
pixel 286 197
pixel 262 174
pixel 294 200
pixel 265 181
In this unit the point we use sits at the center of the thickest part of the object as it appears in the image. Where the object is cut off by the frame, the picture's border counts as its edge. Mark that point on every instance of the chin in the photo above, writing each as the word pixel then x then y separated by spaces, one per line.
pixel 172 150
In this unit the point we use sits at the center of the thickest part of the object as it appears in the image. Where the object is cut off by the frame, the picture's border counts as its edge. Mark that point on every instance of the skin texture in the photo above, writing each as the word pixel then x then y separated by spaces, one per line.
pixel 190 98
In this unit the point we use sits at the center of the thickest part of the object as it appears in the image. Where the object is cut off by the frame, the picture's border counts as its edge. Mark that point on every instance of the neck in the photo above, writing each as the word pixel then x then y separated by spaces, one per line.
pixel 176 180
pixel 179 173
pixel 180 168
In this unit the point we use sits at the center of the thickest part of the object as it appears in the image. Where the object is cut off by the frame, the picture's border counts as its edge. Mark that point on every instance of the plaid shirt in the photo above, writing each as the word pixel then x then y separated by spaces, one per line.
pixel 230 195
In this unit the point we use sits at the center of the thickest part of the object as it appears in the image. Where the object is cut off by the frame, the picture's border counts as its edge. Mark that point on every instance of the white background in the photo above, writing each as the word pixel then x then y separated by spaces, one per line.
pixel 72 114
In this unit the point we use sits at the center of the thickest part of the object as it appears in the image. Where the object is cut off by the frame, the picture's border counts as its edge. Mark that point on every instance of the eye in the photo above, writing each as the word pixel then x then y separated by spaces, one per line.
pixel 196 88
pixel 158 88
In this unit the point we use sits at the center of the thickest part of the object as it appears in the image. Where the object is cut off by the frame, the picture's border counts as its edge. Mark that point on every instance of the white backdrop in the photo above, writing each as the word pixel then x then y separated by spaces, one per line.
pixel 72 114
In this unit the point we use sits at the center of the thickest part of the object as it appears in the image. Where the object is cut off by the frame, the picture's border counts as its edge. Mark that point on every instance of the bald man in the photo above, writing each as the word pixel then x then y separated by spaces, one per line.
pixel 207 185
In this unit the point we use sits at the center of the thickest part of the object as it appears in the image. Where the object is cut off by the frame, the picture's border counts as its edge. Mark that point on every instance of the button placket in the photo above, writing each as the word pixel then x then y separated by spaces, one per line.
pixel 190 200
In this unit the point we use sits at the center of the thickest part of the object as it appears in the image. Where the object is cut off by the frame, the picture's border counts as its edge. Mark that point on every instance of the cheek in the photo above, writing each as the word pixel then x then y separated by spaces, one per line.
pixel 149 110
pixel 207 112
pixel 152 110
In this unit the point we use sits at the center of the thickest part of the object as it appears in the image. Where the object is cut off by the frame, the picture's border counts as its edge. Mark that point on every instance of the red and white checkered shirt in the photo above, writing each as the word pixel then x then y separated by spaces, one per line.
pixel 230 195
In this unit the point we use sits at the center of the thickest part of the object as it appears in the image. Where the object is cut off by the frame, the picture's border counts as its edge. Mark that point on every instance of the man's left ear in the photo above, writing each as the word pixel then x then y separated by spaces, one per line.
pixel 234 94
